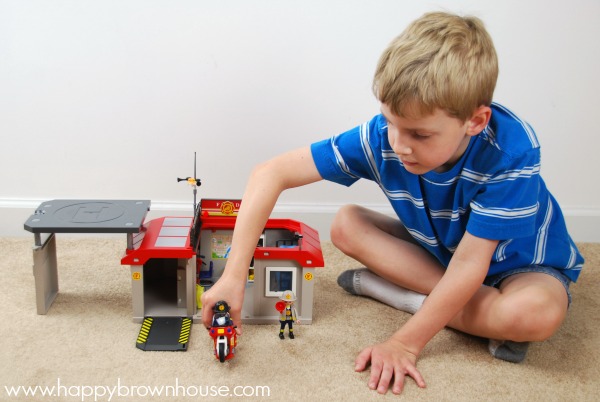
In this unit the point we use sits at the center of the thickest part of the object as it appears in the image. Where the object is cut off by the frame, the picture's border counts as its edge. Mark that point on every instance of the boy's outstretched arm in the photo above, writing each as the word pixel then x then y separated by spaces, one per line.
pixel 266 182
pixel 396 357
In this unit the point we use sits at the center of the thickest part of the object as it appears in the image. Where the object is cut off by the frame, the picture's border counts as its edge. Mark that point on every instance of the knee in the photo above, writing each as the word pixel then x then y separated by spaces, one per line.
pixel 343 227
pixel 531 318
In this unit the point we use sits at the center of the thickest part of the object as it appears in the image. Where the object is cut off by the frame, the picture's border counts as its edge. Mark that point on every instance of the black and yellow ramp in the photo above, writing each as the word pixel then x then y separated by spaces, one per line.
pixel 184 334
pixel 164 333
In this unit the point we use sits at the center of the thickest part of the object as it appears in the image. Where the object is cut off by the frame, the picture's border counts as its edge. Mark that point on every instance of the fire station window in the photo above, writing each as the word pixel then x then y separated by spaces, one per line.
pixel 279 279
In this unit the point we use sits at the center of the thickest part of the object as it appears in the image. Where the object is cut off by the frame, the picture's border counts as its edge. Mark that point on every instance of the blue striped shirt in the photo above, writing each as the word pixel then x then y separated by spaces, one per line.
pixel 494 191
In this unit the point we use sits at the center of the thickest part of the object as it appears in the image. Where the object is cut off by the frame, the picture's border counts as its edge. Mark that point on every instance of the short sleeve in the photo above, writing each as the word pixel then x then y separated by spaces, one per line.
pixel 352 155
pixel 507 205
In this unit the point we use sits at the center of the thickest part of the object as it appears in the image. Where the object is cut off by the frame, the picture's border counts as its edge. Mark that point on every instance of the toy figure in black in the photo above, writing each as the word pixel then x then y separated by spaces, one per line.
pixel 221 317
pixel 223 332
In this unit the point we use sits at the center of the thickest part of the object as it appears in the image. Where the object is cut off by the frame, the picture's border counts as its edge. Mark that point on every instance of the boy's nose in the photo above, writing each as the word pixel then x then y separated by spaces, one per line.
pixel 403 150
pixel 400 147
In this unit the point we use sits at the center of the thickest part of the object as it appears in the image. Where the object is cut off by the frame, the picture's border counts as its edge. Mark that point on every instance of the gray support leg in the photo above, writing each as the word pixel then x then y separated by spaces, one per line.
pixel 137 292
pixel 45 273
pixel 190 280
pixel 308 285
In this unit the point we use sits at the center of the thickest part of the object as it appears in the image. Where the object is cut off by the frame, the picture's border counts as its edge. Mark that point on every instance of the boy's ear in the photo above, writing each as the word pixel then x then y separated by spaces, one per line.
pixel 480 118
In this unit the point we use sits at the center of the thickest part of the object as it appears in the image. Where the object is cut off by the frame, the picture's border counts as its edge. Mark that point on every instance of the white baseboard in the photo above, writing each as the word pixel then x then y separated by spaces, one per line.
pixel 583 223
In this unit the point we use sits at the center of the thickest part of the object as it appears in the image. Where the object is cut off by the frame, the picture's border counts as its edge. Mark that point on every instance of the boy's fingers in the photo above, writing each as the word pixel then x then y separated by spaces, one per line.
pixel 237 321
pixel 416 375
pixel 398 386
pixel 384 378
pixel 362 359
pixel 206 316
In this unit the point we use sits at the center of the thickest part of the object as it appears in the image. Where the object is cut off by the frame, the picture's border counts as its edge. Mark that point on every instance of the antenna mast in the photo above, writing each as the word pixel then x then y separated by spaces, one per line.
pixel 194 182
pixel 195 187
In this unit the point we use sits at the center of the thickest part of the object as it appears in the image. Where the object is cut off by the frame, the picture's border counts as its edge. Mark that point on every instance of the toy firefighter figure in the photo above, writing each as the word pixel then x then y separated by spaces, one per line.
pixel 221 316
pixel 287 313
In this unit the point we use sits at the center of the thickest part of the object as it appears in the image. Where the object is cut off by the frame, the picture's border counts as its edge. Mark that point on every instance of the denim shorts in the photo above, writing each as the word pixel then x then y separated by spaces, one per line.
pixel 496 280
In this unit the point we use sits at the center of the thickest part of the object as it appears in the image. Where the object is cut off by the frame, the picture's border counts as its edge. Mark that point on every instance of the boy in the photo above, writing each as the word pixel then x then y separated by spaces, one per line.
pixel 480 244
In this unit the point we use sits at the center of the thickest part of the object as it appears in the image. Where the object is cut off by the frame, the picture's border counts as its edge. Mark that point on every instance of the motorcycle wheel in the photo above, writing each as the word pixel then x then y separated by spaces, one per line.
pixel 221 352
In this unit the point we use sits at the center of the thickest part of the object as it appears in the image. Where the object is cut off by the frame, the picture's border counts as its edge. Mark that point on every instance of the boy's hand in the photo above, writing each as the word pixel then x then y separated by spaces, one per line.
pixel 232 293
pixel 389 359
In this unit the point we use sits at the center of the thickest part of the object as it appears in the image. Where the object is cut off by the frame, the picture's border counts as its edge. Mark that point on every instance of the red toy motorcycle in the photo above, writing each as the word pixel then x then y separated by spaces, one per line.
pixel 223 332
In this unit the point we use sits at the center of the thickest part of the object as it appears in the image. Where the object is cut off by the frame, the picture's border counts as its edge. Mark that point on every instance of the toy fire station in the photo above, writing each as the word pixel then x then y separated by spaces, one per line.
pixel 174 259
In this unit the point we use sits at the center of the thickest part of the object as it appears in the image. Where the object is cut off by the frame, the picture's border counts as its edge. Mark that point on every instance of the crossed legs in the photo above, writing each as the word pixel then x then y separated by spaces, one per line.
pixel 526 307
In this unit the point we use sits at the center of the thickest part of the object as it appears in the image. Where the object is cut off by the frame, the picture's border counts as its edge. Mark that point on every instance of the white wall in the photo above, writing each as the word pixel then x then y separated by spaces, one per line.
pixel 109 99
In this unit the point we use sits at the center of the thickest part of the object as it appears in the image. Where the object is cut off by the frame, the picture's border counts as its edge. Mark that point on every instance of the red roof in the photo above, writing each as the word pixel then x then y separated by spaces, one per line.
pixel 168 237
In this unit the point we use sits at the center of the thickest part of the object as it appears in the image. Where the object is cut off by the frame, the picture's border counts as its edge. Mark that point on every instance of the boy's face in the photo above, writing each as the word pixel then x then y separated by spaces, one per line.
pixel 434 142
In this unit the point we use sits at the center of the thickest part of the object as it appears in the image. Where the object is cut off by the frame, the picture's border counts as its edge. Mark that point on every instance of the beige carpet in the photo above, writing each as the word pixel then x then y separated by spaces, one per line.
pixel 88 340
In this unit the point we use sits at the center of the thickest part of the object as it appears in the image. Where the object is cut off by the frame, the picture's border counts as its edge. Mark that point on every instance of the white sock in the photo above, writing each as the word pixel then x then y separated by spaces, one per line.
pixel 365 283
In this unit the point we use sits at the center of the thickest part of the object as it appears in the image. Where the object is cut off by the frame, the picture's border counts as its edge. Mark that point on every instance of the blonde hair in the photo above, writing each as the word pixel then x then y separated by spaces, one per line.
pixel 440 61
